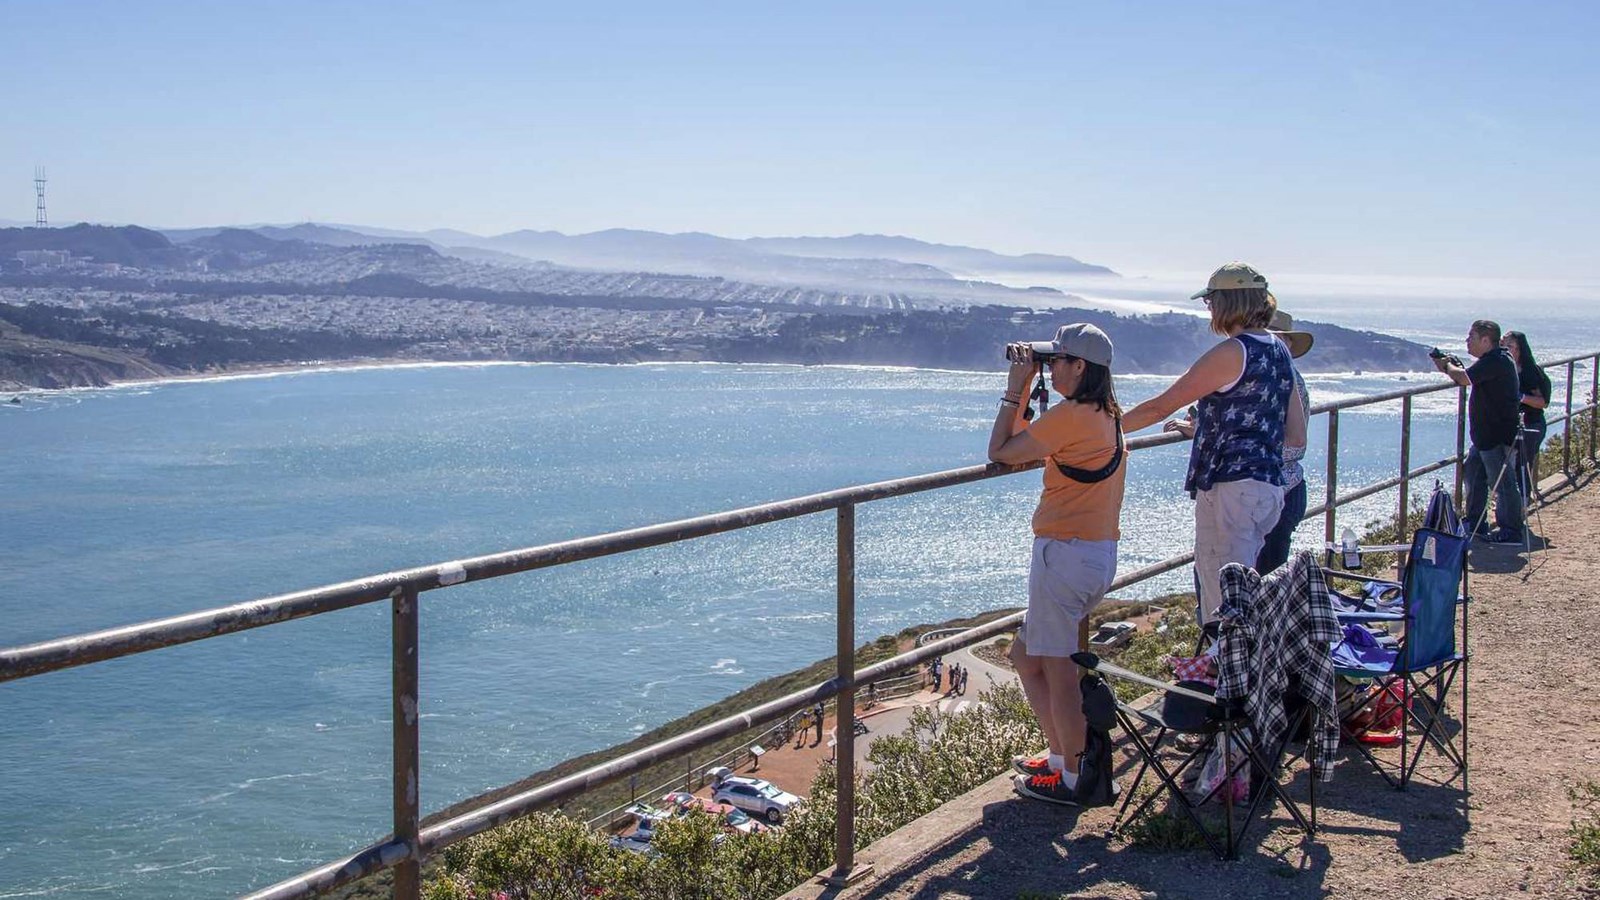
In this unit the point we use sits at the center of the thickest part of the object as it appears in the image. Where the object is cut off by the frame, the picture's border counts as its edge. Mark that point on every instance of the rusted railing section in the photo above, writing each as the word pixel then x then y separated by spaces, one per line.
pixel 410 844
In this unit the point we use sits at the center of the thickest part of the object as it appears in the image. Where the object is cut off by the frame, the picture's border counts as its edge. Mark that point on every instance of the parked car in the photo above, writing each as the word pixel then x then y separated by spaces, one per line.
pixel 645 820
pixel 1112 635
pixel 732 817
pixel 756 796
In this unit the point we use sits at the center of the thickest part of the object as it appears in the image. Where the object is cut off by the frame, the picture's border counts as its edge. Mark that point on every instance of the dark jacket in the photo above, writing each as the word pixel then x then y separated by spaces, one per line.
pixel 1493 410
pixel 1533 380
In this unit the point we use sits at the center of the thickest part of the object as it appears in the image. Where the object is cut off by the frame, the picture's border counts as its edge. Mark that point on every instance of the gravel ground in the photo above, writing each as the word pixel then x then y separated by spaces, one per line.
pixel 1534 733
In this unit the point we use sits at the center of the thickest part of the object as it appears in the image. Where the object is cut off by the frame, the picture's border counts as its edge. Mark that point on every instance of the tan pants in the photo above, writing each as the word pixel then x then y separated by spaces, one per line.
pixel 1231 523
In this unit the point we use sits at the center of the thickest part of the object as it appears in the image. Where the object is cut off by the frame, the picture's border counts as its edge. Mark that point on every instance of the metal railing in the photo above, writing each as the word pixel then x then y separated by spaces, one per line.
pixel 411 843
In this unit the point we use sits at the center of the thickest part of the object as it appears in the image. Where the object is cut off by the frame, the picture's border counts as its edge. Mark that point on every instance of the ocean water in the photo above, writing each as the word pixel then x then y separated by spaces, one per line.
pixel 228 764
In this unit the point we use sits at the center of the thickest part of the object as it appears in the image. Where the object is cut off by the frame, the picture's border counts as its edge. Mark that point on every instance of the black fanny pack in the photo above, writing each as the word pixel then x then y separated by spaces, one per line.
pixel 1091 476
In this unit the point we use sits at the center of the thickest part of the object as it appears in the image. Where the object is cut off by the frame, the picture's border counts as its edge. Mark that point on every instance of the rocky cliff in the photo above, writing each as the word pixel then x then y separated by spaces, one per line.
pixel 28 362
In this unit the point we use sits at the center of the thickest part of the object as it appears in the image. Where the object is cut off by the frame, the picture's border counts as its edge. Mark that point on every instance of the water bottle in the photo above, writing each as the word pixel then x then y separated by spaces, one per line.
pixel 1349 548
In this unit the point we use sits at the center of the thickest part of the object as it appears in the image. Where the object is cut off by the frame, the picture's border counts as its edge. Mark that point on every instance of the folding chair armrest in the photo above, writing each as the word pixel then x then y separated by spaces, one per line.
pixel 1357 576
pixel 1348 617
pixel 1095 664
pixel 1332 547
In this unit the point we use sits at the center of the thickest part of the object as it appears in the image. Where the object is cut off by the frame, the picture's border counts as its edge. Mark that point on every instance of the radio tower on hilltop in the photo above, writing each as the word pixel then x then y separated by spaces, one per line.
pixel 40 220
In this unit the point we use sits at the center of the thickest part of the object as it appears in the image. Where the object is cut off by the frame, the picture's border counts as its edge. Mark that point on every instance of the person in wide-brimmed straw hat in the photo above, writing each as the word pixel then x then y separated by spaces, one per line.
pixel 1282 328
pixel 1244 418
pixel 1275 549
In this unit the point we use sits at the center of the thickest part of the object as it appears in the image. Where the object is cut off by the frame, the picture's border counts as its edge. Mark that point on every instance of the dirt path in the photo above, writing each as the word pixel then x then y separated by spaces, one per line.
pixel 1535 731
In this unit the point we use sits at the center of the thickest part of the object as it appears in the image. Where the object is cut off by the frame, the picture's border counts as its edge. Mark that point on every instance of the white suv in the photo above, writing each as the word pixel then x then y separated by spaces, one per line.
pixel 753 795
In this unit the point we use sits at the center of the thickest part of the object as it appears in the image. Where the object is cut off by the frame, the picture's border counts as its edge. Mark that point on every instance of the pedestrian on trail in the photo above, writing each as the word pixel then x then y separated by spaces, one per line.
pixel 934 667
pixel 964 673
pixel 802 726
pixel 1243 420
pixel 1075 528
pixel 816 715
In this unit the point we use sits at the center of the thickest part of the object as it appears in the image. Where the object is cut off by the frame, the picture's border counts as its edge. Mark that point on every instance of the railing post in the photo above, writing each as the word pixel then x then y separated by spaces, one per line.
pixel 1461 439
pixel 1566 427
pixel 1594 401
pixel 407 803
pixel 1403 517
pixel 1333 476
pixel 845 870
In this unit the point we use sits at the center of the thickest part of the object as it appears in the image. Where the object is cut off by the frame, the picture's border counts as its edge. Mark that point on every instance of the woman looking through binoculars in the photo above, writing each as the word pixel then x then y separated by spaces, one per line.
pixel 1075 527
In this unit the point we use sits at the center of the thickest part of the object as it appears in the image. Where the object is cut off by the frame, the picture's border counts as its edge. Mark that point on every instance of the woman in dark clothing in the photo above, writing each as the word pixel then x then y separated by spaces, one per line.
pixel 1534 385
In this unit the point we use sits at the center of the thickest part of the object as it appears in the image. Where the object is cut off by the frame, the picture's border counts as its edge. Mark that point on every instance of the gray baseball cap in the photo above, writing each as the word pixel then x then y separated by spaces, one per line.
pixel 1232 277
pixel 1084 341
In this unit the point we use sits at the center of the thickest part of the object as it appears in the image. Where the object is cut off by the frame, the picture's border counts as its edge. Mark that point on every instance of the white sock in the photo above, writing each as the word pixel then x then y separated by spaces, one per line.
pixel 1057 762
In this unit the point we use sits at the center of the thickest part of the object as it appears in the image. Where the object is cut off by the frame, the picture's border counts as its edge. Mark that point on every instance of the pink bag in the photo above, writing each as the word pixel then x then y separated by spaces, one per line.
pixel 1237 790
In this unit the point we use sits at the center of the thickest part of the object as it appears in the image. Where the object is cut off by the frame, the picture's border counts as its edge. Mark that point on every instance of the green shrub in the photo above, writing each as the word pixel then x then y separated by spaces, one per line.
pixel 1116 611
pixel 1583 836
pixel 1146 652
pixel 1582 425
pixel 940 757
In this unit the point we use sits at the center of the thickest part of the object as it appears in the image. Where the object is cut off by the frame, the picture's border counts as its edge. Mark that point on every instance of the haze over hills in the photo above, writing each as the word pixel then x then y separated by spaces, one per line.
pixel 129 301
pixel 922 273
pixel 952 258
pixel 695 253
pixel 861 263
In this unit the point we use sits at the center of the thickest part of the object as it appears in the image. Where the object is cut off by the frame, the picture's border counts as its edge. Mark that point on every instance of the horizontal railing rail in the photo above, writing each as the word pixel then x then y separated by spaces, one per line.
pixel 411 843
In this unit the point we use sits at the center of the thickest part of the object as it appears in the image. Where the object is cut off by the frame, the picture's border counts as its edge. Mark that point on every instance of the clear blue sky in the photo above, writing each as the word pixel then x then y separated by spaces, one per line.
pixel 1393 138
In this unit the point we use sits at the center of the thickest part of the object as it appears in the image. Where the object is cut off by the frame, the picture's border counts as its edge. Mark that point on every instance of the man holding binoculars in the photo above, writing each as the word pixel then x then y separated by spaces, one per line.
pixel 1493 420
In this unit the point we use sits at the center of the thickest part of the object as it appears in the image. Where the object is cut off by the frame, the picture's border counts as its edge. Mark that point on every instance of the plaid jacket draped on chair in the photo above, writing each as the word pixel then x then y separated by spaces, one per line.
pixel 1271 627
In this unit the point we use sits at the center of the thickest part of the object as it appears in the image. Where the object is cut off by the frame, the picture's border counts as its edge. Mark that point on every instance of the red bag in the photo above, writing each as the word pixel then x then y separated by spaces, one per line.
pixel 1380 722
pixel 1389 708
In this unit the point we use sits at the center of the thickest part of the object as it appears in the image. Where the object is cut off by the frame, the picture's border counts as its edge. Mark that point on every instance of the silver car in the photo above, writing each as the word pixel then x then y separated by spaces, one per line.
pixel 754 795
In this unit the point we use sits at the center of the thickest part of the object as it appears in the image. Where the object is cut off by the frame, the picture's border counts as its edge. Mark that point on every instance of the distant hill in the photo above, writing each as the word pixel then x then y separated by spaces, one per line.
pixel 950 257
pixel 127 245
pixel 492 257
pixel 857 263
pixel 631 247
pixel 240 240
pixel 696 253
pixel 787 259
pixel 337 237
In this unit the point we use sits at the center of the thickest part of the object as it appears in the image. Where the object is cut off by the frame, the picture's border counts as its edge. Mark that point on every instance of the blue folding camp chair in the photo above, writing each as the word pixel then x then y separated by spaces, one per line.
pixel 1415 674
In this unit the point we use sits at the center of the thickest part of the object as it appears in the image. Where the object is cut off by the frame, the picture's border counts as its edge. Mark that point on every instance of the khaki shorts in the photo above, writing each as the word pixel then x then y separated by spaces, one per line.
pixel 1066 581
pixel 1231 524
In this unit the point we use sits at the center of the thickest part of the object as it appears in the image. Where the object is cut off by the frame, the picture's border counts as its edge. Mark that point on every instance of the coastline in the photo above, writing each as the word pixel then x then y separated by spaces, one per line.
pixel 313 367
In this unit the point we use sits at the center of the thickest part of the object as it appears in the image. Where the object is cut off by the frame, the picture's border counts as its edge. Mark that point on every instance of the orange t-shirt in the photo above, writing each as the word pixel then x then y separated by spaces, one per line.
pixel 1081 436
